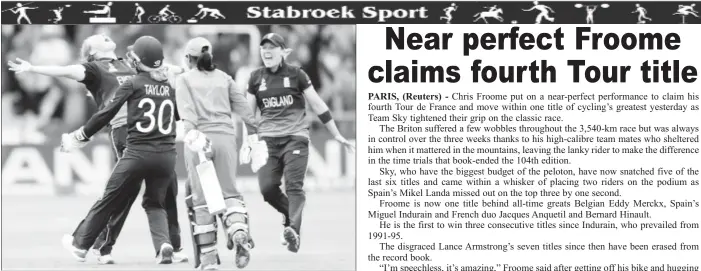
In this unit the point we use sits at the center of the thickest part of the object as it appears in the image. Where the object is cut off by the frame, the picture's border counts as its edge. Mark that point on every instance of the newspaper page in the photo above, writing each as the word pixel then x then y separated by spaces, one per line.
pixel 348 135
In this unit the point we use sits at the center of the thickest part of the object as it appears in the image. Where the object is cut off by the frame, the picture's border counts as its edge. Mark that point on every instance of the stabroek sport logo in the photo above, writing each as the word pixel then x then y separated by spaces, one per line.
pixel 368 12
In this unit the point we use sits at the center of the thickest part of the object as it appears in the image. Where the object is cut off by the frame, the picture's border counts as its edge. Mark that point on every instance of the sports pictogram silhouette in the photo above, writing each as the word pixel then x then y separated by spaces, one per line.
pixel 448 13
pixel 544 12
pixel 494 12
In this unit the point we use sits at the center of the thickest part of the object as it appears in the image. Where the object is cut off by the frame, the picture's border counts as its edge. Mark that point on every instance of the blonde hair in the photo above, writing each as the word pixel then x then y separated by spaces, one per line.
pixel 158 74
pixel 86 50
pixel 286 52
pixel 87 53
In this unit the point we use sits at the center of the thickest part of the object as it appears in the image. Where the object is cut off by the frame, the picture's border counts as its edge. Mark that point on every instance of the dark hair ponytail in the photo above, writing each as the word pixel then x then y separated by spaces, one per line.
pixel 204 62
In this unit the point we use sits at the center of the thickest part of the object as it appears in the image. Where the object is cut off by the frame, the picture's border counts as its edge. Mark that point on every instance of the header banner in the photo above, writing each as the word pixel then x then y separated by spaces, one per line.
pixel 317 12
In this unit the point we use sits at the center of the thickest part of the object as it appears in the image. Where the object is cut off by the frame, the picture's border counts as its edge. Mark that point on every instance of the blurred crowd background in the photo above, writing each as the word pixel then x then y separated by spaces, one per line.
pixel 34 106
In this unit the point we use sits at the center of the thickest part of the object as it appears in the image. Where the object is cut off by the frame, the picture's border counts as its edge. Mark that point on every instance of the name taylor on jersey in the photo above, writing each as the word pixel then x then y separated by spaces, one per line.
pixel 278 101
pixel 157 90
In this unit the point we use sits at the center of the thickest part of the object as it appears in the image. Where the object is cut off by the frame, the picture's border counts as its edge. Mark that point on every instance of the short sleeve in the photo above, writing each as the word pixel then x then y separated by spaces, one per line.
pixel 92 74
pixel 303 80
pixel 251 86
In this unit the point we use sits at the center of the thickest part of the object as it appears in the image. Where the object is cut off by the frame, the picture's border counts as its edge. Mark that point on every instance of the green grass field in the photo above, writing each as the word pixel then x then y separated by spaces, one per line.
pixel 32 228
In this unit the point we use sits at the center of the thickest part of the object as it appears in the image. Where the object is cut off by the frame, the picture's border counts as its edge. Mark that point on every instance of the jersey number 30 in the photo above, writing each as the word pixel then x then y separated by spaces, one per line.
pixel 153 122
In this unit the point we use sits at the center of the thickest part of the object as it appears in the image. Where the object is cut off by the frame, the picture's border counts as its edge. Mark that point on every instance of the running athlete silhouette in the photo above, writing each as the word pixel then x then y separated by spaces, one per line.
pixel 544 12
pixel 448 12
pixel 642 14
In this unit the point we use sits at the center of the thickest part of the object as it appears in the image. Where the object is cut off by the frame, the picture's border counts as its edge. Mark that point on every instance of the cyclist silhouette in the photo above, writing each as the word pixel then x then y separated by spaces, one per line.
pixel 165 12
pixel 165 15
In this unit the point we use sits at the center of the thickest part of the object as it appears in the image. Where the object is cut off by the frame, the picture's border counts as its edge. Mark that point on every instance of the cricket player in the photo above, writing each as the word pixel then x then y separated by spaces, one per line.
pixel 207 97
pixel 150 153
pixel 102 74
pixel 281 91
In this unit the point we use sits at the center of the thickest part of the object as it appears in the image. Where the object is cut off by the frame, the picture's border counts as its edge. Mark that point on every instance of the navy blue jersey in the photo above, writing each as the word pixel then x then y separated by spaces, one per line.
pixel 280 98
pixel 151 114
pixel 102 78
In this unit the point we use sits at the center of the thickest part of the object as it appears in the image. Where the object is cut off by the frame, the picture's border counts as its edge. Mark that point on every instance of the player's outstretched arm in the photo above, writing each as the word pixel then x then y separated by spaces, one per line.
pixel 79 138
pixel 322 110
pixel 103 117
pixel 241 106
pixel 185 104
pixel 75 72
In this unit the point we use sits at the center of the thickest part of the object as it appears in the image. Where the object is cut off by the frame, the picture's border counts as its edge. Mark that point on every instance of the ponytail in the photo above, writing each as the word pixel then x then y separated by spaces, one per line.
pixel 204 62
pixel 85 52
pixel 160 74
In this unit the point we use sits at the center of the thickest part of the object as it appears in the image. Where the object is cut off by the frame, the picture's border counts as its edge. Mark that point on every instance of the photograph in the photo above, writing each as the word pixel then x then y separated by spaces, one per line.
pixel 153 147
